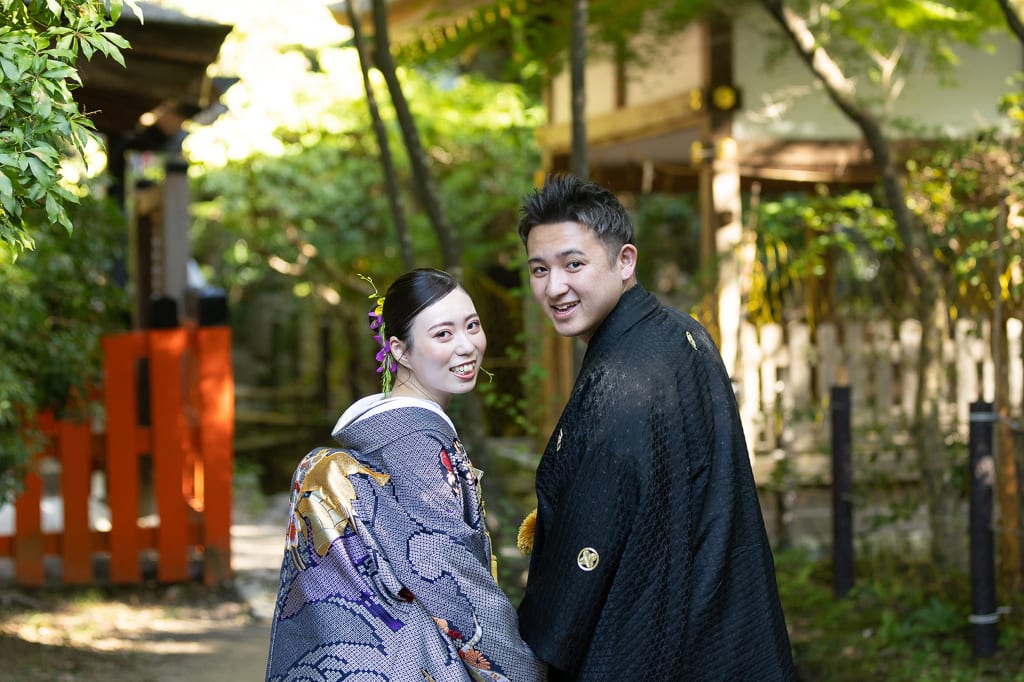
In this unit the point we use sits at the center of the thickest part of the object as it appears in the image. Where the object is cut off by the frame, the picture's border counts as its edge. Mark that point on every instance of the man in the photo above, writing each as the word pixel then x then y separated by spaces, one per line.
pixel 650 559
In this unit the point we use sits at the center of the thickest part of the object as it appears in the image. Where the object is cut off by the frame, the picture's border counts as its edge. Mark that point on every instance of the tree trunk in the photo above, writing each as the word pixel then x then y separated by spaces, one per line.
pixel 947 543
pixel 919 263
pixel 472 428
pixel 1011 504
pixel 1008 474
pixel 578 63
pixel 423 179
pixel 390 176
pixel 1013 18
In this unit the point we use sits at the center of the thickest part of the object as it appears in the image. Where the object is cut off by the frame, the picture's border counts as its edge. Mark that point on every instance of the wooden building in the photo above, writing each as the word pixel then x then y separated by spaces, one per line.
pixel 706 111
pixel 140 110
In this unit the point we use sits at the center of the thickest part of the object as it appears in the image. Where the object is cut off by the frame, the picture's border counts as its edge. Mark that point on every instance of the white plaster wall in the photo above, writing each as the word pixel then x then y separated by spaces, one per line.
pixel 600 83
pixel 783 101
pixel 668 69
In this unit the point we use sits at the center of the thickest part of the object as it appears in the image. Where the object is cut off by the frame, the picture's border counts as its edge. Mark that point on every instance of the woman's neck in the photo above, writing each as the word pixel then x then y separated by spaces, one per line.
pixel 410 389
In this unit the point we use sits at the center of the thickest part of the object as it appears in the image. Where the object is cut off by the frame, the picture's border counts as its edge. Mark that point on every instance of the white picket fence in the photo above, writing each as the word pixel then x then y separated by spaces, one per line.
pixel 784 380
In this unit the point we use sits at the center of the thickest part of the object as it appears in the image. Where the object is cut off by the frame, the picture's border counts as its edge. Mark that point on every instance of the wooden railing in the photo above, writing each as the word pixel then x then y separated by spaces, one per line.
pixel 167 400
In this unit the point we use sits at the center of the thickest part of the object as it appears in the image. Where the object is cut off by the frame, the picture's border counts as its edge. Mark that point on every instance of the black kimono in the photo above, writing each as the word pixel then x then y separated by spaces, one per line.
pixel 650 558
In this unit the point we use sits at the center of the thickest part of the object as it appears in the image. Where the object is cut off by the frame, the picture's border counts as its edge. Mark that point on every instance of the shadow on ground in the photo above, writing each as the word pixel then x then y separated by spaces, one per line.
pixel 153 633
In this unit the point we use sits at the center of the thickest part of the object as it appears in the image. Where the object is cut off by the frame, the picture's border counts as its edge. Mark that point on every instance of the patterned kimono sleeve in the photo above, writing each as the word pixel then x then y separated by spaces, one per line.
pixel 432 531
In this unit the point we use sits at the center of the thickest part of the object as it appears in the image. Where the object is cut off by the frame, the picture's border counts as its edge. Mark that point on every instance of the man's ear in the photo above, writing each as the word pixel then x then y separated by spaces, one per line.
pixel 627 261
pixel 397 350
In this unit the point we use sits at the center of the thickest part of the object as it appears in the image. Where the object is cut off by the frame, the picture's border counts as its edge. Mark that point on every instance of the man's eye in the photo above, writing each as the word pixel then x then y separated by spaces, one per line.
pixel 538 271
pixel 575 265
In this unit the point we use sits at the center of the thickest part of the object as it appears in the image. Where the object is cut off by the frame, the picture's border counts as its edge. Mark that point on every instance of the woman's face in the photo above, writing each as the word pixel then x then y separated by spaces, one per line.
pixel 447 344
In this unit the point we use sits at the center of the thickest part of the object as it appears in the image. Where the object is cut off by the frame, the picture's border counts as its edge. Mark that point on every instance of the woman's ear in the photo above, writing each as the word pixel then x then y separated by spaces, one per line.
pixel 397 350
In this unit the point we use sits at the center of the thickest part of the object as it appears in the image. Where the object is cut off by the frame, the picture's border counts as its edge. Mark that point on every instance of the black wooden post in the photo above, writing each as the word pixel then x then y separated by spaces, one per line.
pixel 212 308
pixel 842 492
pixel 984 616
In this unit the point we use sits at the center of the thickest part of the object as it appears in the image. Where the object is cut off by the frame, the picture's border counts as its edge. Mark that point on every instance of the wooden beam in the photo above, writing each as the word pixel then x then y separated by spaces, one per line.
pixel 645 120
pixel 409 20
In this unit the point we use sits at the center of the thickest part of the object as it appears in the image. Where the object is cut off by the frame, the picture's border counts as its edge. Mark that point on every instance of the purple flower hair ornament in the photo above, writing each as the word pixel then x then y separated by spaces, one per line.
pixel 386 364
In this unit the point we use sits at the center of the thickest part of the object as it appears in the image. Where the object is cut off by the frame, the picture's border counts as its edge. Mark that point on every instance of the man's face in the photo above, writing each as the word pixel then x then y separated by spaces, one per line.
pixel 573 277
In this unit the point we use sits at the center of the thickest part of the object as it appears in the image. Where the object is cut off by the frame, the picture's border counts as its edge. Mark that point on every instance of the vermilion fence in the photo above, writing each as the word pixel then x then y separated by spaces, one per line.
pixel 168 398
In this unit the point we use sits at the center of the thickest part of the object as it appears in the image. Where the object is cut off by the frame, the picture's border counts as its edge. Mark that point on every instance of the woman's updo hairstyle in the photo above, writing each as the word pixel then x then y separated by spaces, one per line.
pixel 409 295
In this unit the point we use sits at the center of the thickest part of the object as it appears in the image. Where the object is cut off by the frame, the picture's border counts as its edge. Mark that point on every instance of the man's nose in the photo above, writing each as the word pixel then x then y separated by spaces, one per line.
pixel 556 284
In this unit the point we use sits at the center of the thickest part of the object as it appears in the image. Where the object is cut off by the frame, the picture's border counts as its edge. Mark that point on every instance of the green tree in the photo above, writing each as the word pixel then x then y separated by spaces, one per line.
pixel 386 159
pixel 310 213
pixel 874 37
pixel 40 43
pixel 424 182
pixel 57 302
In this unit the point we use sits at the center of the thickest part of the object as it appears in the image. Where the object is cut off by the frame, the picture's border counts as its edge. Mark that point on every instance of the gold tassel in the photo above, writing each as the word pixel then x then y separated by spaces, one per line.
pixel 524 541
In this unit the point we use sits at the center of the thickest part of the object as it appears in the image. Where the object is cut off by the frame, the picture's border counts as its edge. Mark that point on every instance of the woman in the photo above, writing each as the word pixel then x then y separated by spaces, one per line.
pixel 388 572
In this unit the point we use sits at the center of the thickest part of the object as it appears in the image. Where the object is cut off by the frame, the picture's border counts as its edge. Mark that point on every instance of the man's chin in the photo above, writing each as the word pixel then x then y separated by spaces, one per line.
pixel 563 328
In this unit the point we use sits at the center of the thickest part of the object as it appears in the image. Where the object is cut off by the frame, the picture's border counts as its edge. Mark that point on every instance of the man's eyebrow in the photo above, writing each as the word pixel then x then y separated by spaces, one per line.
pixel 559 256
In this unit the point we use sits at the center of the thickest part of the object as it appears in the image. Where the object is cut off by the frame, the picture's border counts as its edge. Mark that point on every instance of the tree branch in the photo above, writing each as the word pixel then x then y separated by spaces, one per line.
pixel 841 91
pixel 1013 18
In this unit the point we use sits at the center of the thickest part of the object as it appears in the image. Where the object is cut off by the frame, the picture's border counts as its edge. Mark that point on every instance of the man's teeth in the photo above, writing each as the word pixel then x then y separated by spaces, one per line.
pixel 464 369
pixel 563 308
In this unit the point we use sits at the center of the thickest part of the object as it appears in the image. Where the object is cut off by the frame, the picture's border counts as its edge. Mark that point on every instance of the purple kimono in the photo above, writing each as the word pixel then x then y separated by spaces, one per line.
pixel 387 573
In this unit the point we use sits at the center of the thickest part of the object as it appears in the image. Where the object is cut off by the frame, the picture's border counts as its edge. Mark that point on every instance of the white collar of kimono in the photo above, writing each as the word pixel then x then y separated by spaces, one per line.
pixel 371 405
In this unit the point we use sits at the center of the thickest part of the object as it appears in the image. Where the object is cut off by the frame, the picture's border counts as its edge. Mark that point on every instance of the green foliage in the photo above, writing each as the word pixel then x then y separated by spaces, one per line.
pixel 57 301
pixel 523 42
pixel 954 188
pixel 844 239
pixel 880 46
pixel 668 240
pixel 902 621
pixel 40 121
pixel 957 189
pixel 305 210
pixel 316 208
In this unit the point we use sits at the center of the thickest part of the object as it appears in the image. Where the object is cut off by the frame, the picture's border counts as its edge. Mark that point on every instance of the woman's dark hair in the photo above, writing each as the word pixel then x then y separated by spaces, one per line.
pixel 409 295
pixel 565 198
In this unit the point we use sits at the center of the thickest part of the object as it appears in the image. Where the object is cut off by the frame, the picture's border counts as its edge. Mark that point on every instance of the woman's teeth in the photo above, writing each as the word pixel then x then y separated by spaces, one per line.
pixel 464 369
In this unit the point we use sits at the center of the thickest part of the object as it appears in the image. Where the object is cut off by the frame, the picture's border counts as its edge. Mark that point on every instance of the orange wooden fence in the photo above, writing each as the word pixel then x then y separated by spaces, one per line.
pixel 169 394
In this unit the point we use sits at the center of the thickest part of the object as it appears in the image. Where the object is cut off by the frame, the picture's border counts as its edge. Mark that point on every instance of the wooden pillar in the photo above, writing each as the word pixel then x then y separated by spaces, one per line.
pixel 721 203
